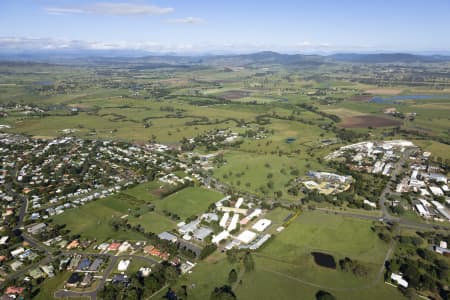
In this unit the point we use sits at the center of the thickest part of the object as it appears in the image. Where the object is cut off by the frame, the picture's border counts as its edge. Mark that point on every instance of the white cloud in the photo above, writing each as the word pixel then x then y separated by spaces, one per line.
pixel 106 8
pixel 187 20
pixel 17 44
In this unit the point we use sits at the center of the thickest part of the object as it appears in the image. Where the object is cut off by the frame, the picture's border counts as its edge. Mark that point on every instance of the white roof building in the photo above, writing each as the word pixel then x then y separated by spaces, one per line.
pixel 220 237
pixel 123 265
pixel 233 223
pixel 124 247
pixel 399 279
pixel 17 251
pixel 436 191
pixel 370 203
pixel 422 211
pixel 246 236
pixel 224 220
pixel 261 225
pixel 239 202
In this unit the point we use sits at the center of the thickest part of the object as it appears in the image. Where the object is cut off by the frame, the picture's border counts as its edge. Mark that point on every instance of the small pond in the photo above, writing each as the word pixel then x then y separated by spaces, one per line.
pixel 324 260
pixel 290 140
pixel 407 97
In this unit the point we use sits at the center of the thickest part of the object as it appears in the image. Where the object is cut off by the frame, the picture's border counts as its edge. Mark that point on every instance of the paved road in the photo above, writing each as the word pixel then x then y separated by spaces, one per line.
pixel 401 222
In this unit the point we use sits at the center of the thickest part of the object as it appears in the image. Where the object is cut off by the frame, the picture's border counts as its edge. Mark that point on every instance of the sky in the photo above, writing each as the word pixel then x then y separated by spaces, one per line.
pixel 202 26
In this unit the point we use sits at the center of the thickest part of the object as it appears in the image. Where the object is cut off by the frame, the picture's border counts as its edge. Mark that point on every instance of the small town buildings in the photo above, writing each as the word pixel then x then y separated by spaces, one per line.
pixel 14 290
pixel 4 239
pixel 73 245
pixel 224 220
pixel 203 232
pixel 125 246
pixel 103 247
pixel 261 225
pixel 145 271
pixel 398 278
pixel 84 264
pixel 167 236
pixel 233 223
pixel 16 265
pixel 190 227
pixel 114 246
pixel 220 237
pixel 246 236
pixel 210 217
pixel 87 280
pixel 123 265
pixel 36 273
pixel 96 265
pixel 36 229
pixel 73 280
pixel 48 270
pixel 17 251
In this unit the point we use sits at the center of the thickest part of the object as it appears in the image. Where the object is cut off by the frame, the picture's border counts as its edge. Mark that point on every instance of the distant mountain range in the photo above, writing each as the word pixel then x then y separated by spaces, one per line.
pixel 260 58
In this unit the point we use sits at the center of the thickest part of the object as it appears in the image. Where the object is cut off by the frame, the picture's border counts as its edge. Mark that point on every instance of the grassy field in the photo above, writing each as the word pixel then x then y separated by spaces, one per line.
pixel 96 216
pixel 93 219
pixel 50 285
pixel 251 172
pixel 437 149
pixel 265 285
pixel 285 267
pixel 189 201
pixel 287 260
pixel 206 276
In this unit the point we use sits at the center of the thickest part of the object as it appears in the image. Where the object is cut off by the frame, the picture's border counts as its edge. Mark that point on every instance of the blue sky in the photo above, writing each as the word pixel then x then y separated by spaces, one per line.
pixel 227 25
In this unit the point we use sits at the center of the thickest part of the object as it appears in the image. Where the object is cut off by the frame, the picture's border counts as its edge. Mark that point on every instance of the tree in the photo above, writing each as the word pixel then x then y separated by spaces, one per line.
pixel 222 293
pixel 232 276
pixel 249 263
pixel 209 249
pixel 323 295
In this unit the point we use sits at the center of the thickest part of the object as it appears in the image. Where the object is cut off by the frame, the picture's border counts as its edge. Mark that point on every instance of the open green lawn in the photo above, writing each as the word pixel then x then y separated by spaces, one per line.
pixel 153 222
pixel 51 285
pixel 206 276
pixel 251 172
pixel 189 201
pixel 437 149
pixel 287 258
pixel 265 285
pixel 93 220
pixel 285 267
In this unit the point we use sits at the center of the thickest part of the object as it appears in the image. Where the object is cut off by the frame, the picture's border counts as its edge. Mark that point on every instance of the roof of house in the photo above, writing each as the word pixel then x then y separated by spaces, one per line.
pixel 74 278
pixel 202 233
pixel 167 236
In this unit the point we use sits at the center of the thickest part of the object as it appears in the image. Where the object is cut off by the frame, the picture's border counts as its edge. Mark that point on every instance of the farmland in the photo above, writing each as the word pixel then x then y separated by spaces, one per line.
pixel 133 204
pixel 209 129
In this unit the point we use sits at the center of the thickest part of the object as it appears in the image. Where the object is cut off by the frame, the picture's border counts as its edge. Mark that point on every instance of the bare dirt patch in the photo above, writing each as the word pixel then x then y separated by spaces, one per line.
pixel 384 91
pixel 361 98
pixel 233 95
pixel 343 112
pixel 160 192
pixel 366 121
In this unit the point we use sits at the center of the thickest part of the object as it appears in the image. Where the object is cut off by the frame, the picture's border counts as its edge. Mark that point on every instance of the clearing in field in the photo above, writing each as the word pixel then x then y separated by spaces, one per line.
pixel 286 267
pixel 364 121
pixel 188 202
pixel 361 98
pixel 234 94
pixel 343 112
pixel 92 220
pixel 384 91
